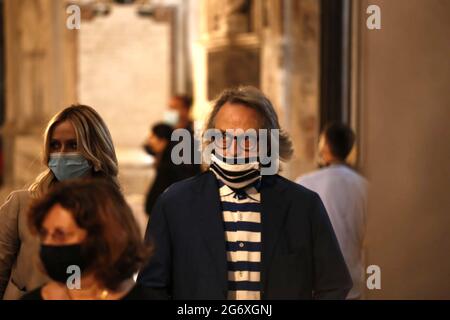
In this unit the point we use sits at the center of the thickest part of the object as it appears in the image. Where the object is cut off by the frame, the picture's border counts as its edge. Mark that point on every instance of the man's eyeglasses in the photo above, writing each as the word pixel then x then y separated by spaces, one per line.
pixel 246 141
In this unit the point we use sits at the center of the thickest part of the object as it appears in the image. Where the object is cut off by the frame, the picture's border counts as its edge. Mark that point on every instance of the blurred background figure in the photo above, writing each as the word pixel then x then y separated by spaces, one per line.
pixel 77 144
pixel 90 244
pixel 344 194
pixel 160 146
pixel 178 114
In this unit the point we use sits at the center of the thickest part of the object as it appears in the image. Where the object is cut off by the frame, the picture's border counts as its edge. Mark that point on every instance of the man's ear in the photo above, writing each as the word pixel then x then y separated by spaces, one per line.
pixel 327 156
pixel 164 143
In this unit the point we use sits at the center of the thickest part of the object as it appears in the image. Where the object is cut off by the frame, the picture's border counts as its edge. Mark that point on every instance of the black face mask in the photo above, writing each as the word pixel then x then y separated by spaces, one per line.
pixel 56 260
pixel 149 150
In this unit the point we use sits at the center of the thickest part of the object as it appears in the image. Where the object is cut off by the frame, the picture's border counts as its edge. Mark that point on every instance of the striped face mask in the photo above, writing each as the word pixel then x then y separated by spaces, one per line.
pixel 234 174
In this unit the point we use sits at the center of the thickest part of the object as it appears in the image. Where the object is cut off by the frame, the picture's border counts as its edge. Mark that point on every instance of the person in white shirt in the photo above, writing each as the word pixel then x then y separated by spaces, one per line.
pixel 344 194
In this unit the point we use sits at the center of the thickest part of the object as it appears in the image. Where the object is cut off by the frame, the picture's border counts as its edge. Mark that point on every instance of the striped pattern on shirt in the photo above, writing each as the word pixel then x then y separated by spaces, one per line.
pixel 242 221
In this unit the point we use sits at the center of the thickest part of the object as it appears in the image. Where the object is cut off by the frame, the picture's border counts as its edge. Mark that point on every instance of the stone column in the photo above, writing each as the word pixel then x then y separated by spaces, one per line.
pixel 290 74
pixel 227 51
pixel 41 79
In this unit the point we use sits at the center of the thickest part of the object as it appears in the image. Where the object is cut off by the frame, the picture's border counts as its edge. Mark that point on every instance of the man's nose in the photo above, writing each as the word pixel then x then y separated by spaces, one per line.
pixel 234 150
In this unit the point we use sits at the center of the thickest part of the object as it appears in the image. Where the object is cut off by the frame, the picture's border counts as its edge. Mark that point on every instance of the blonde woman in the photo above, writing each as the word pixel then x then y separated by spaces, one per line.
pixel 77 144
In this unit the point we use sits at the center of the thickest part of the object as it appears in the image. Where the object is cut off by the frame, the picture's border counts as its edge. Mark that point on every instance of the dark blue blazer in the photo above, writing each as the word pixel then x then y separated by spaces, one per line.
pixel 301 258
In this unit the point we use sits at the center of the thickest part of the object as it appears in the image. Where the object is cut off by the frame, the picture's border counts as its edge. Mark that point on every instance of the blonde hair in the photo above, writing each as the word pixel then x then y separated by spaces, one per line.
pixel 94 143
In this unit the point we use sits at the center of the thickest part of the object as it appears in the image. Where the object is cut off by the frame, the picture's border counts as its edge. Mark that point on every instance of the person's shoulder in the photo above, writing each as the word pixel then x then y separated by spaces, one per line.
pixel 22 194
pixel 295 189
pixel 352 175
pixel 185 186
pixel 18 198
pixel 309 177
pixel 358 176
pixel 19 194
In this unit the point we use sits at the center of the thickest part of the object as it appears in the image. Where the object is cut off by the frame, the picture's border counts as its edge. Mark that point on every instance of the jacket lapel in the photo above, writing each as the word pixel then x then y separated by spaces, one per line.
pixel 208 209
pixel 274 207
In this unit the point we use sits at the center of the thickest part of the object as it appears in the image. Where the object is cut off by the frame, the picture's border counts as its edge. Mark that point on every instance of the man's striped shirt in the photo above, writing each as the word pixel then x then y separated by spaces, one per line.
pixel 242 223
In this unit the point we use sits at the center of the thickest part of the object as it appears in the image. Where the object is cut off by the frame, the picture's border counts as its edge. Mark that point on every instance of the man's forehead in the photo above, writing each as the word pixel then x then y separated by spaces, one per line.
pixel 240 131
pixel 237 116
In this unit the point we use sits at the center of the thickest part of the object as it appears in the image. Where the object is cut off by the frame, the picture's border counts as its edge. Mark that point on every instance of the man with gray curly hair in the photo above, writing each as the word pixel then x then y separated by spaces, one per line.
pixel 239 231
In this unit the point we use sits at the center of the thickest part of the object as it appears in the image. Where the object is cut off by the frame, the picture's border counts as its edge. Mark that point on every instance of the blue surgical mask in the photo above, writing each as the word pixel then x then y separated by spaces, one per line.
pixel 68 165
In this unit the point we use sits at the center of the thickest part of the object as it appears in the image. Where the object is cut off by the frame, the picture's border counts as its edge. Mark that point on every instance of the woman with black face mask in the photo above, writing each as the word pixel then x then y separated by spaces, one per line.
pixel 90 244
pixel 159 145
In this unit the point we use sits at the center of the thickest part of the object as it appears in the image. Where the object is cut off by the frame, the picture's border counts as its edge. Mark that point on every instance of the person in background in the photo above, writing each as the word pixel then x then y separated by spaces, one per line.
pixel 90 244
pixel 178 116
pixel 77 143
pixel 160 146
pixel 234 233
pixel 344 194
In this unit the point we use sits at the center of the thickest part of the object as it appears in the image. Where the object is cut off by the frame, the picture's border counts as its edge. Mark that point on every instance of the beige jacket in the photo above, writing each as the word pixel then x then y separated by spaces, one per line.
pixel 20 271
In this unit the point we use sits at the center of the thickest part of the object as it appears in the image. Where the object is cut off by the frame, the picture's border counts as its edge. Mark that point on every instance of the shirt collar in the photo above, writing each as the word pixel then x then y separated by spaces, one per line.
pixel 251 189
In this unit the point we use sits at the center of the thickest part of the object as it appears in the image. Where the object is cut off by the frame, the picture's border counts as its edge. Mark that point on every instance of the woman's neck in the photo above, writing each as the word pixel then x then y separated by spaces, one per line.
pixel 91 289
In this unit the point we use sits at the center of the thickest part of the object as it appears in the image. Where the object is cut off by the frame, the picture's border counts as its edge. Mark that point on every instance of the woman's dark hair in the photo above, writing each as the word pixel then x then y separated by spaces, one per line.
pixel 113 249
pixel 340 139
pixel 162 131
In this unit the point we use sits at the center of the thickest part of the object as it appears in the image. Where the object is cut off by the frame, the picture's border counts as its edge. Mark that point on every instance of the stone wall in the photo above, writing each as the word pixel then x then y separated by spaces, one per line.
pixel 124 72
pixel 404 102
pixel 41 79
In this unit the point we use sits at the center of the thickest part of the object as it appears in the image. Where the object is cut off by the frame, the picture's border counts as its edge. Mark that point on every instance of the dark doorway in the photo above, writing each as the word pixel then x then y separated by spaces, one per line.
pixel 334 61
